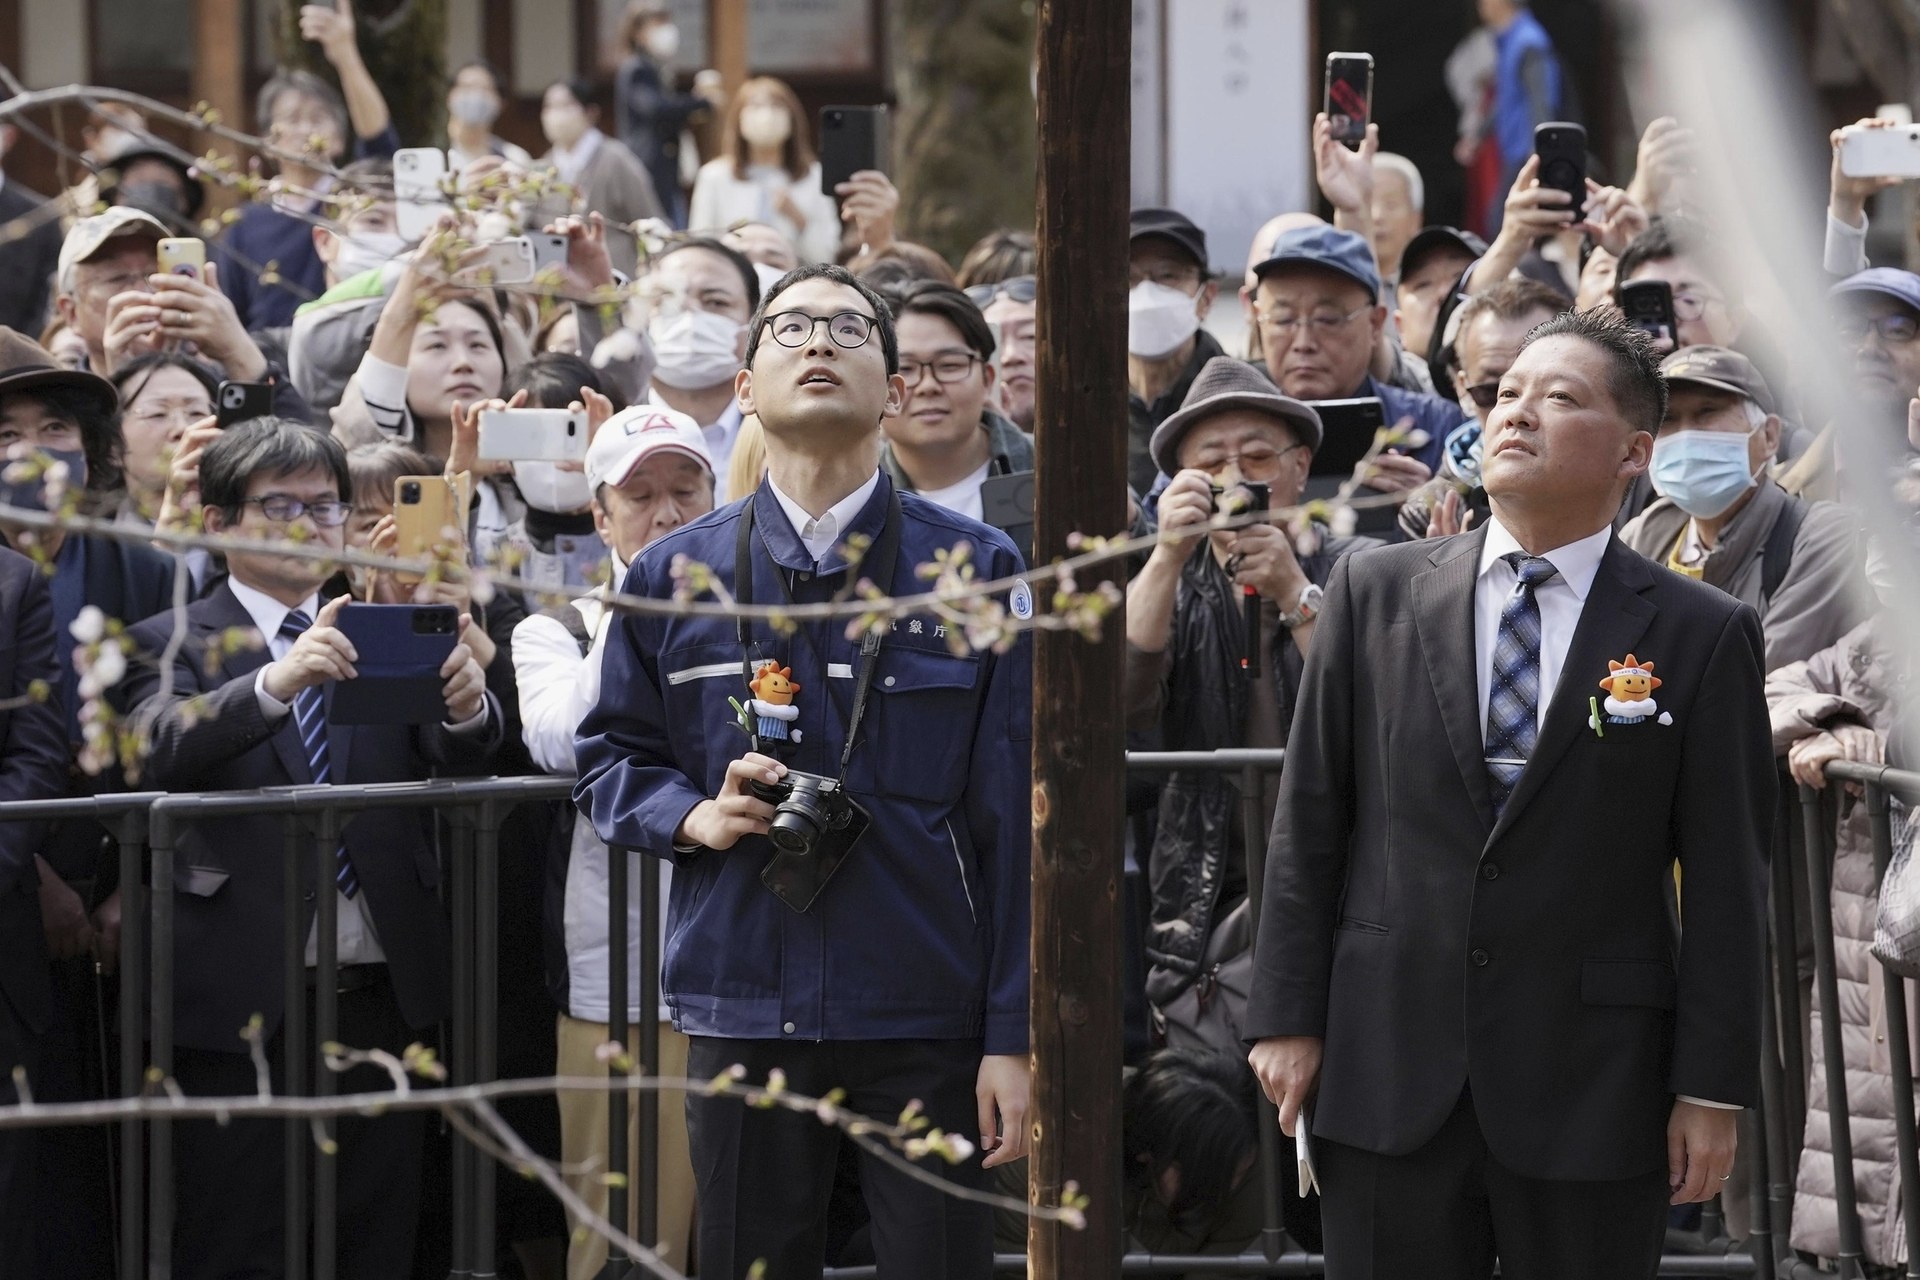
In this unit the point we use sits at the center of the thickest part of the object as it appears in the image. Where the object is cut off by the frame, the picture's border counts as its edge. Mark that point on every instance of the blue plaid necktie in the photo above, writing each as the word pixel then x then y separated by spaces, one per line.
pixel 1513 703
pixel 310 718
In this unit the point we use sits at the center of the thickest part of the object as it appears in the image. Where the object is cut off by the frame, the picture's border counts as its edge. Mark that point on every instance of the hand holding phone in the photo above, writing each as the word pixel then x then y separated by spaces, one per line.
pixel 1883 150
pixel 1349 99
pixel 1648 307
pixel 852 139
pixel 429 513
pixel 242 402
pixel 1562 148
pixel 418 199
pixel 181 256
pixel 533 435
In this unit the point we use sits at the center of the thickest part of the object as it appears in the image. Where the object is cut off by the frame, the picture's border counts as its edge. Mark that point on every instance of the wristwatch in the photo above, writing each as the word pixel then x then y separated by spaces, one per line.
pixel 1305 609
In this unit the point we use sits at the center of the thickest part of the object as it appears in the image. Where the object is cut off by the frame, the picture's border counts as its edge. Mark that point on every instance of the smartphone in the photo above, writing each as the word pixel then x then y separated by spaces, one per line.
pixel 1880 153
pixel 1562 148
pixel 533 435
pixel 498 262
pixel 242 401
pixel 1648 306
pixel 549 252
pixel 852 139
pixel 1006 503
pixel 1349 102
pixel 1347 431
pixel 428 512
pixel 418 198
pixel 402 648
pixel 183 256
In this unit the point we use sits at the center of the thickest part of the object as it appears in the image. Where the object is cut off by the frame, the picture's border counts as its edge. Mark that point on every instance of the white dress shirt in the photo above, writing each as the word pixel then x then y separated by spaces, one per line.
pixel 353 927
pixel 1561 600
pixel 820 535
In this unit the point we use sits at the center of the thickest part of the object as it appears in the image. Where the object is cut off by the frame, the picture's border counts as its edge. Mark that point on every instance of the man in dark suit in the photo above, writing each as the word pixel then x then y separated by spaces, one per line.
pixel 33 766
pixel 30 238
pixel 1466 946
pixel 258 718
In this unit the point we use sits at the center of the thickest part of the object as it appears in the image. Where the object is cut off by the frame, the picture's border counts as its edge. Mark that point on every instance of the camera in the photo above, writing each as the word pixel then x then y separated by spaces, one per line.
pixel 806 807
pixel 1244 498
pixel 232 395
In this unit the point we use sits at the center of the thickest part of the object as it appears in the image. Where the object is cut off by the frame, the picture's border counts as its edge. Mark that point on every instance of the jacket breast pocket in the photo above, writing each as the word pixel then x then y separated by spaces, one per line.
pixel 923 712
pixel 1648 732
pixel 1647 984
pixel 695 684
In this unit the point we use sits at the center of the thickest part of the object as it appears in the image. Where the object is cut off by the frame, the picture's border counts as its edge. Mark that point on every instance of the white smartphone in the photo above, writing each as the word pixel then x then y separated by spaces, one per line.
pixel 533 435
pixel 418 198
pixel 1891 152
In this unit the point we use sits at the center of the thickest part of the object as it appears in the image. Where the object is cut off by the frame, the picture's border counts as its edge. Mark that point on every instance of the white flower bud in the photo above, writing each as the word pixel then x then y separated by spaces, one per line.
pixel 89 626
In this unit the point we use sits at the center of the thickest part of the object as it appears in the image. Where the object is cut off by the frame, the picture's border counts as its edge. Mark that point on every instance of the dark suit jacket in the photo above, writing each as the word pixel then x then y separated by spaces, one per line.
pixel 33 766
pixel 1533 958
pixel 229 873
pixel 27 261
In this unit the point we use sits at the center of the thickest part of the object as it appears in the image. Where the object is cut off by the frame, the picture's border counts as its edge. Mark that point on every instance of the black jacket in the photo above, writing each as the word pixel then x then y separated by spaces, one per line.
pixel 1197 870
pixel 1533 958
pixel 1142 417
pixel 27 259
pixel 229 873
pixel 33 766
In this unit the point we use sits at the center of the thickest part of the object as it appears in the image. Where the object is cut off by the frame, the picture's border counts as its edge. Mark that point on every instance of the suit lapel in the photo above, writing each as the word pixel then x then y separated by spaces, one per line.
pixel 1443 615
pixel 1616 615
pixel 224 612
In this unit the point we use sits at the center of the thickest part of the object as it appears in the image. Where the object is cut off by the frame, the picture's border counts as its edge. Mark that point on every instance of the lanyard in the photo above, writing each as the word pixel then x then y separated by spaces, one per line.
pixel 877 566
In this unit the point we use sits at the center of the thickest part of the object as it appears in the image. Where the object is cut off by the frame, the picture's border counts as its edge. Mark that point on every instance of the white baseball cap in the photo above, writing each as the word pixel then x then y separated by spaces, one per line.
pixel 90 235
pixel 633 435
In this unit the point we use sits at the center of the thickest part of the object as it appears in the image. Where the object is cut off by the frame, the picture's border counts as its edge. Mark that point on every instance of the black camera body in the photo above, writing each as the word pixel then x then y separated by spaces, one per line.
pixel 1246 498
pixel 806 806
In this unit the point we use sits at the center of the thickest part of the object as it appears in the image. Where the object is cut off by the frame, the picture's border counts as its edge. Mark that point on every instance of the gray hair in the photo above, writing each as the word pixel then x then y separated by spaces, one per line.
pixel 308 85
pixel 1409 172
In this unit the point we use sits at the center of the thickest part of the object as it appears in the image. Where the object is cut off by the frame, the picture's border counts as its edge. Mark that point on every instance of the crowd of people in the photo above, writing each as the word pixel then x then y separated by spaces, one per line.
pixel 790 393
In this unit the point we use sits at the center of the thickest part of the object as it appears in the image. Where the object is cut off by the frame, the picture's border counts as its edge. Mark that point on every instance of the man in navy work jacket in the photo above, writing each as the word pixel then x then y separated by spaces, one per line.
pixel 891 961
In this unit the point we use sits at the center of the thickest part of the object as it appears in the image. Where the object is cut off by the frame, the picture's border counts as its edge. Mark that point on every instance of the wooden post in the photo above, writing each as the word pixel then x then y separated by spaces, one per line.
pixel 1085 48
pixel 727 41
pixel 220 30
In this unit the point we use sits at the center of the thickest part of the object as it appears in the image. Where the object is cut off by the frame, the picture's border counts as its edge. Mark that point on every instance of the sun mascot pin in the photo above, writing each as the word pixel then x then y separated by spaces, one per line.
pixel 772 702
pixel 1630 687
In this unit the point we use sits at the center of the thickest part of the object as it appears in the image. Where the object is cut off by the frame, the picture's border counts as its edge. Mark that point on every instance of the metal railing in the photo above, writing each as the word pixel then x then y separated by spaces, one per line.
pixel 153 824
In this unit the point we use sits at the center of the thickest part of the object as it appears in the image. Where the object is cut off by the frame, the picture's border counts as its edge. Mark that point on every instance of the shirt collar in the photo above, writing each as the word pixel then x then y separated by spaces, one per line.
pixel 1577 562
pixel 266 612
pixel 571 160
pixel 819 536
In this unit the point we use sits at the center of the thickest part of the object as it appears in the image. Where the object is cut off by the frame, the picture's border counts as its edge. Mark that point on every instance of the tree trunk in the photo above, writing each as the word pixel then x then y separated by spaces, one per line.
pixel 964 138
pixel 404 44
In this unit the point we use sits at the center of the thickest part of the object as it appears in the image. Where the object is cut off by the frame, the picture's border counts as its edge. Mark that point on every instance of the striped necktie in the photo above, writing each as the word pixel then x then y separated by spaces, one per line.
pixel 1513 703
pixel 310 718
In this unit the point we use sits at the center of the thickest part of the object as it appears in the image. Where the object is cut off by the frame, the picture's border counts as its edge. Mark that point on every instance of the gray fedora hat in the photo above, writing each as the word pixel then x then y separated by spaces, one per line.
pixel 1226 383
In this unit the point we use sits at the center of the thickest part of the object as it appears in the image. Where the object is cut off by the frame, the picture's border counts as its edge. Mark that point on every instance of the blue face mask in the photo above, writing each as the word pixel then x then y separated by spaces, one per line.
pixel 31 495
pixel 1703 472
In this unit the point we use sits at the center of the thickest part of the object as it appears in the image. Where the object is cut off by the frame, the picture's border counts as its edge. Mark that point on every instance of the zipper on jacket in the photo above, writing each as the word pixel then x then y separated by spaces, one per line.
pixel 960 865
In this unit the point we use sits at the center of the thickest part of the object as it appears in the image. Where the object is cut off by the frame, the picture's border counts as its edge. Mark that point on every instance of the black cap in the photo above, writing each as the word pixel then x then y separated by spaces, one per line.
pixel 1432 238
pixel 1173 225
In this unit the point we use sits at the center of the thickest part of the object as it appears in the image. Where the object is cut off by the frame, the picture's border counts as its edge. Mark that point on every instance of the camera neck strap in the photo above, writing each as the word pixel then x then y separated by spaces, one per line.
pixel 876 566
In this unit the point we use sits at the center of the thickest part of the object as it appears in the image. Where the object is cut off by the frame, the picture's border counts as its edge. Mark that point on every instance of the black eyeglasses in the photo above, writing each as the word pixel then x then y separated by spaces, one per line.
pixel 848 329
pixel 1485 394
pixel 1019 289
pixel 328 513
pixel 946 369
pixel 1894 329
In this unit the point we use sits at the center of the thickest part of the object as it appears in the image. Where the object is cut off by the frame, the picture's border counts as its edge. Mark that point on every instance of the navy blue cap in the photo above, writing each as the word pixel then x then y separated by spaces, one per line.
pixel 1172 225
pixel 1434 238
pixel 1330 248
pixel 1904 286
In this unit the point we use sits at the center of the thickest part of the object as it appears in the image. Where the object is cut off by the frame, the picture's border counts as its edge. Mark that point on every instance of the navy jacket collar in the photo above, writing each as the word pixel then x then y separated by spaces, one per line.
pixel 782 541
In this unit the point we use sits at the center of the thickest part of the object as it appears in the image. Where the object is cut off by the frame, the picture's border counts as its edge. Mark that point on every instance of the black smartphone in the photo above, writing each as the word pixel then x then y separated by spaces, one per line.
pixel 852 139
pixel 1648 306
pixel 1347 431
pixel 1349 102
pixel 242 401
pixel 1006 503
pixel 1562 148
pixel 402 648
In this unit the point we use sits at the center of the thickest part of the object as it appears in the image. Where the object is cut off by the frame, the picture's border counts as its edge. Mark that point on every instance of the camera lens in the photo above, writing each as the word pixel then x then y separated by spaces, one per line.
pixel 410 492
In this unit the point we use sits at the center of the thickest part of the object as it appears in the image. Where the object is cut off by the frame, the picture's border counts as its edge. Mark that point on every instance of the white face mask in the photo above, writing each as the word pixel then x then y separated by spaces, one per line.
pixel 473 106
pixel 664 41
pixel 766 126
pixel 366 251
pixel 547 488
pixel 1159 319
pixel 695 350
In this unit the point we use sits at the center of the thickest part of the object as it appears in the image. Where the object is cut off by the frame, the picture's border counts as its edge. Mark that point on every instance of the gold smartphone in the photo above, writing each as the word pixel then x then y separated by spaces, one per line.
pixel 183 256
pixel 428 512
